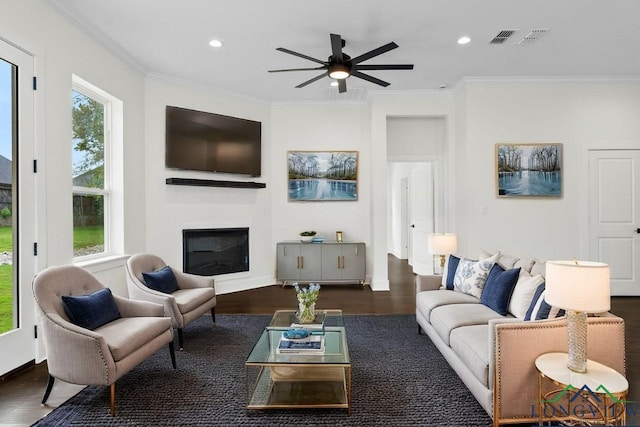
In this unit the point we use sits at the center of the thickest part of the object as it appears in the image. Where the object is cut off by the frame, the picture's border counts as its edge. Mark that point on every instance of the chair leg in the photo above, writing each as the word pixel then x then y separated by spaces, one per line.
pixel 113 400
pixel 47 392
pixel 180 340
pixel 173 354
pixel 213 314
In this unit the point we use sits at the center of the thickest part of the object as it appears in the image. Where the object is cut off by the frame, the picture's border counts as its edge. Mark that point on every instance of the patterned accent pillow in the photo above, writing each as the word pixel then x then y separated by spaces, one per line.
pixel 540 309
pixel 471 275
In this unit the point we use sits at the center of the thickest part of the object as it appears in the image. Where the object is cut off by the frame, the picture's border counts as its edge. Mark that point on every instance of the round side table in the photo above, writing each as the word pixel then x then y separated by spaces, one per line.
pixel 596 397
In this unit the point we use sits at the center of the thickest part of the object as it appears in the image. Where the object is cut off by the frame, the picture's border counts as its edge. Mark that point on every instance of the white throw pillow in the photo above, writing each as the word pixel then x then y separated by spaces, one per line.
pixel 471 275
pixel 523 293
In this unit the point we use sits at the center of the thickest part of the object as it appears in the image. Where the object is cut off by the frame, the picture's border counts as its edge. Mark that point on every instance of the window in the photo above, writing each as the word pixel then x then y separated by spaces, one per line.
pixel 92 168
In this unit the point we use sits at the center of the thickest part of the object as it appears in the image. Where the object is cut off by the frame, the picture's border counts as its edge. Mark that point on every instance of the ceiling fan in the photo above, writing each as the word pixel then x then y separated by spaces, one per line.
pixel 339 66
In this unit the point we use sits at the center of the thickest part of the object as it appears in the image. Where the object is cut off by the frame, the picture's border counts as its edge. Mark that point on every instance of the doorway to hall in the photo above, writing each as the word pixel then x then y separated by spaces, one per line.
pixel 415 203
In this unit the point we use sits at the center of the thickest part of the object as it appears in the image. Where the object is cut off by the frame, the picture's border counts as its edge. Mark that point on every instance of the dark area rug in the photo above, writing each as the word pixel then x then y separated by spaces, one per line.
pixel 399 378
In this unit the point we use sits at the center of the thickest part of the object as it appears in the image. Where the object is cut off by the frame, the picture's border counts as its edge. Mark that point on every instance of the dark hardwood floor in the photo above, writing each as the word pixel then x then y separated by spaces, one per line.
pixel 20 394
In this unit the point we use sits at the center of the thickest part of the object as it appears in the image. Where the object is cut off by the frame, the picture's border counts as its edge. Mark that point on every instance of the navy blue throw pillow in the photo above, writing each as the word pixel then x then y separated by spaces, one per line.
pixel 451 270
pixel 540 309
pixel 498 288
pixel 162 280
pixel 93 310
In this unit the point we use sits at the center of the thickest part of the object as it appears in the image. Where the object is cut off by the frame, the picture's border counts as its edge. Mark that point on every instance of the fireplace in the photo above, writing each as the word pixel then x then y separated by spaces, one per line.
pixel 209 252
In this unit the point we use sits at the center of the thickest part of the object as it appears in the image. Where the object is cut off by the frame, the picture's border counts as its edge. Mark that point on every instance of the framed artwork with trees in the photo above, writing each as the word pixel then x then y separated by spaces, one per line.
pixel 529 170
pixel 321 176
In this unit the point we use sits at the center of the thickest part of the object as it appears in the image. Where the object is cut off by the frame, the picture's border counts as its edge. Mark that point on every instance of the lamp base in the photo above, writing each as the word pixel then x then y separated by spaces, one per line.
pixel 577 334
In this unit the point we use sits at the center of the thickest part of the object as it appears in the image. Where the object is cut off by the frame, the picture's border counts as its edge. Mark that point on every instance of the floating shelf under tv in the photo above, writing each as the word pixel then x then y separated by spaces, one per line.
pixel 215 183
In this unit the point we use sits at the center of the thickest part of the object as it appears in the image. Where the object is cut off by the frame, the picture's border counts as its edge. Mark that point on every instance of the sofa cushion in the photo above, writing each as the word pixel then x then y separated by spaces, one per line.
pixel 449 272
pixel 471 275
pixel 92 310
pixel 428 300
pixel 540 309
pixel 525 264
pixel 446 318
pixel 538 267
pixel 471 345
pixel 162 280
pixel 126 335
pixel 498 288
pixel 189 299
pixel 505 261
pixel 523 293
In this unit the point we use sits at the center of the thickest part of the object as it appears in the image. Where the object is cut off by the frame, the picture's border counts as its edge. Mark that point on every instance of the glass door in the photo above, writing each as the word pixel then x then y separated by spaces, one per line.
pixel 17 260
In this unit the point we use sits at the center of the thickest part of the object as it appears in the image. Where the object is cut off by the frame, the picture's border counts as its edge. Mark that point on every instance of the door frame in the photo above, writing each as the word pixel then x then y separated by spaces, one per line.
pixel 22 340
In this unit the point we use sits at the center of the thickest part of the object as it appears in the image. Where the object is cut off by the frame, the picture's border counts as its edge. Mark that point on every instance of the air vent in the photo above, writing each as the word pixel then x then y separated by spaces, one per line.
pixel 534 35
pixel 502 36
pixel 354 93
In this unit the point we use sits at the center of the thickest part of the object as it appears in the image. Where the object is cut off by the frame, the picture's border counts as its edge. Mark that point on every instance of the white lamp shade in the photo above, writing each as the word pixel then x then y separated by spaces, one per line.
pixel 442 244
pixel 582 286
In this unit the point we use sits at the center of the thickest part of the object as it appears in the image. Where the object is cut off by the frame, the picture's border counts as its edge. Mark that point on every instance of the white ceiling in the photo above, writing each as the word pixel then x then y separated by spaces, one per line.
pixel 586 39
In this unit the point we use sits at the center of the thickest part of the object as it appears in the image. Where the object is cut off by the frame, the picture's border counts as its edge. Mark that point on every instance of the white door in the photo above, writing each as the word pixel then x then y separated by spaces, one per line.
pixel 614 216
pixel 421 218
pixel 17 217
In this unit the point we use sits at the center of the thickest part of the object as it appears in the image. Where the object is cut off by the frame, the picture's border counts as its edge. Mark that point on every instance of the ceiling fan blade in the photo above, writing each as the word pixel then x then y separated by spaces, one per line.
pixel 298 69
pixel 384 67
pixel 369 78
pixel 311 80
pixel 336 48
pixel 342 85
pixel 375 52
pixel 290 52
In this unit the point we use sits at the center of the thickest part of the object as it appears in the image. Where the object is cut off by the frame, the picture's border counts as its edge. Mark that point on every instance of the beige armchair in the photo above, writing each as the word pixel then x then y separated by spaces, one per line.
pixel 195 295
pixel 100 356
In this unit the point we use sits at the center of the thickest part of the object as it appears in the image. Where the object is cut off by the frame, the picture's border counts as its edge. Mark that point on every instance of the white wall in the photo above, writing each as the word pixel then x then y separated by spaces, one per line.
pixel 320 127
pixel 579 115
pixel 60 49
pixel 171 208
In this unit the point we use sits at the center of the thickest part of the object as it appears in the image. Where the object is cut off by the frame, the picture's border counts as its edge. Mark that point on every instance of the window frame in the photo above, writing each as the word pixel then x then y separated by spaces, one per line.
pixel 91 91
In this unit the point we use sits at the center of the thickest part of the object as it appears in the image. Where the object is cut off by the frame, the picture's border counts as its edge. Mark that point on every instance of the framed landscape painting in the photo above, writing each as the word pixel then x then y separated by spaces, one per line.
pixel 529 170
pixel 321 176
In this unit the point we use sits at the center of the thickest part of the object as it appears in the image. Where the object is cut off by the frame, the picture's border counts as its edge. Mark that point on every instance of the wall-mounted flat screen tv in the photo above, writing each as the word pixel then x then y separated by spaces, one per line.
pixel 201 141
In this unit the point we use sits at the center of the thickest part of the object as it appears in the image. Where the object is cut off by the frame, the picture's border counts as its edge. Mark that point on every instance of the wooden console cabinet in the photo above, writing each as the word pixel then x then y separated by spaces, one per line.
pixel 330 262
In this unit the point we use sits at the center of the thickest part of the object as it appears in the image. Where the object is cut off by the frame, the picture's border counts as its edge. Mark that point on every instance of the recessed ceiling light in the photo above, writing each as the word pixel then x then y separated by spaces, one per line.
pixel 215 43
pixel 464 40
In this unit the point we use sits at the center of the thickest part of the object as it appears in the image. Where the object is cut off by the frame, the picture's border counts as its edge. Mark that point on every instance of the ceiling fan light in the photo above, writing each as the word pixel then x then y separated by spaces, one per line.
pixel 339 71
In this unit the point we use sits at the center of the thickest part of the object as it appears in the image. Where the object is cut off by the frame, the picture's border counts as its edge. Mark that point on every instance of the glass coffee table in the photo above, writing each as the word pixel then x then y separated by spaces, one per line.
pixel 298 380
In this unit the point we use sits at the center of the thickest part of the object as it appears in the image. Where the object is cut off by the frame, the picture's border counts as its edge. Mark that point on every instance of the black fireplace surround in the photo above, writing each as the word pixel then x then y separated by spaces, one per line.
pixel 214 251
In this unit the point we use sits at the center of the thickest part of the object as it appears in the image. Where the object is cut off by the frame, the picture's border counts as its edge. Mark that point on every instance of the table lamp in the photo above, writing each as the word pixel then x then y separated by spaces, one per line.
pixel 579 287
pixel 443 245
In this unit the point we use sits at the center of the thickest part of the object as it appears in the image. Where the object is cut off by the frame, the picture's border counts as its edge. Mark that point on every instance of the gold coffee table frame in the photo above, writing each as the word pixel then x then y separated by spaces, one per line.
pixel 287 381
pixel 605 407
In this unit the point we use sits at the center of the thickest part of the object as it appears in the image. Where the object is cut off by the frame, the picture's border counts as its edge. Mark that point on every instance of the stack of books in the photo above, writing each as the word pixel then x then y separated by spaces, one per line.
pixel 313 344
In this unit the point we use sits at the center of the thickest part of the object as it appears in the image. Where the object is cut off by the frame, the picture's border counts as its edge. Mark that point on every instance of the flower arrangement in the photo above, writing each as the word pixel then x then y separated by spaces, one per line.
pixel 307 298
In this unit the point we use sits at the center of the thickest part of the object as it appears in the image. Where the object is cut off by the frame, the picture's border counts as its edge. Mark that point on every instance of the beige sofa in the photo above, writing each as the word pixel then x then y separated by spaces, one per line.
pixel 494 355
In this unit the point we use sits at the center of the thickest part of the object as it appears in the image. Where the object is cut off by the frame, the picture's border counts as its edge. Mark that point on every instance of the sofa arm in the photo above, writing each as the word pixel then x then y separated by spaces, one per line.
pixel 135 308
pixel 190 281
pixel 428 282
pixel 518 344
pixel 90 362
